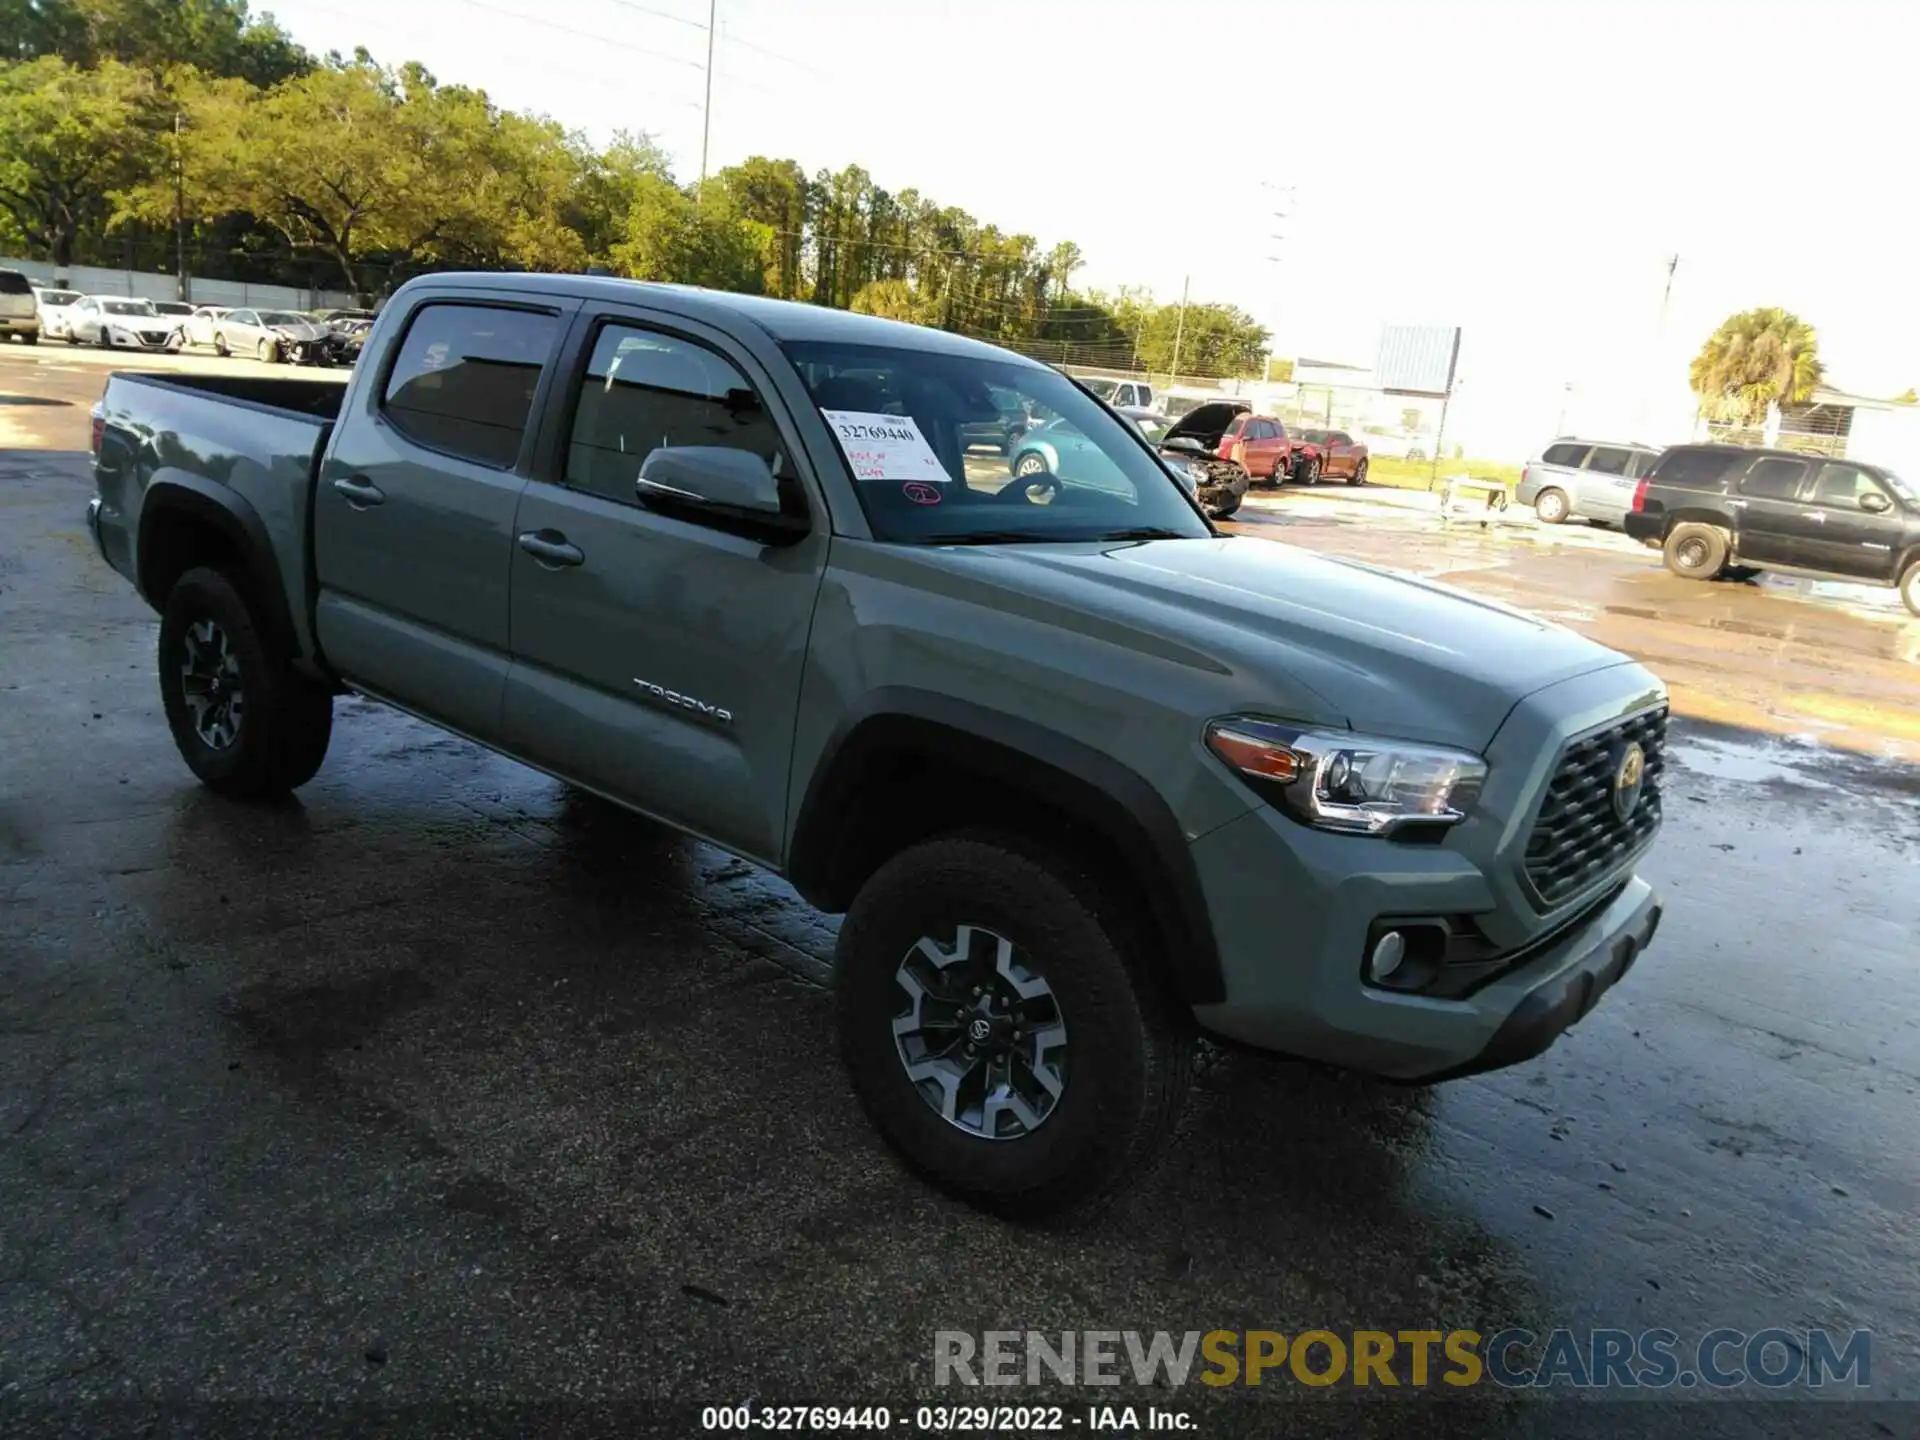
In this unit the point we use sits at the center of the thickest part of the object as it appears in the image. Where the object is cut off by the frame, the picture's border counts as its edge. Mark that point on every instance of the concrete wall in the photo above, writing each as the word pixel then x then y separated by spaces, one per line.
pixel 96 280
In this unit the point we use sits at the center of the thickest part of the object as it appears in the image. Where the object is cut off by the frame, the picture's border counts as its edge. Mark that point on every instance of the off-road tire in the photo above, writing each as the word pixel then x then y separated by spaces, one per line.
pixel 1694 551
pixel 1910 587
pixel 1552 506
pixel 1130 1045
pixel 287 720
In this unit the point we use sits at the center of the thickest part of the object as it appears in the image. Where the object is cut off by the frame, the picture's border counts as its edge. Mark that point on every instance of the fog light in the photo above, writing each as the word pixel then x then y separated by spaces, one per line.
pixel 1388 954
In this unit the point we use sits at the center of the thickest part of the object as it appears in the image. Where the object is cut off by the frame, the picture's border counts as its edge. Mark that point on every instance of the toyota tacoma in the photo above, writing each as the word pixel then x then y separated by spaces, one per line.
pixel 1087 779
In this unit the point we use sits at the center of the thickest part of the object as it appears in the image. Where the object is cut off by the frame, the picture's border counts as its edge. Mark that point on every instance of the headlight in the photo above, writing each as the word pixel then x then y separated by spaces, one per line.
pixel 1337 780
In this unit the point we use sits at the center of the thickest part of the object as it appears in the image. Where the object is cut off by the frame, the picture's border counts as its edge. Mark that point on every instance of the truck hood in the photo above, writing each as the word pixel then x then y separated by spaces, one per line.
pixel 1385 653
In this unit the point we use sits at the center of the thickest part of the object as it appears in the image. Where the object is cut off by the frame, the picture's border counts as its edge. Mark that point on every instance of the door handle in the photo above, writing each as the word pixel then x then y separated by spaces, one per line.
pixel 360 491
pixel 551 549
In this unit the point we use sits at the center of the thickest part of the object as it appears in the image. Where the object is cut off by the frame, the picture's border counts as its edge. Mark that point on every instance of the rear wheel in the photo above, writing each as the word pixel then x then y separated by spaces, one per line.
pixel 1552 506
pixel 31 338
pixel 244 720
pixel 1910 587
pixel 1359 476
pixel 998 1028
pixel 1695 552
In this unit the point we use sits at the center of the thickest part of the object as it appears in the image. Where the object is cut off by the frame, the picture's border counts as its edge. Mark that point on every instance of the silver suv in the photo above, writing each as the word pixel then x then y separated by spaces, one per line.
pixel 19 313
pixel 1592 479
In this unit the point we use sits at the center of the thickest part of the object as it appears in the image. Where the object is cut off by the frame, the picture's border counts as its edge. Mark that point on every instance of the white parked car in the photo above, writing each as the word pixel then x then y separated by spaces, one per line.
pixel 179 309
pixel 198 328
pixel 272 335
pixel 115 320
pixel 56 308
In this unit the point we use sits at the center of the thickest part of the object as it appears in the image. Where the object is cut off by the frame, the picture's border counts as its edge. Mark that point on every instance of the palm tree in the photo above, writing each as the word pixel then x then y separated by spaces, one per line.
pixel 1755 360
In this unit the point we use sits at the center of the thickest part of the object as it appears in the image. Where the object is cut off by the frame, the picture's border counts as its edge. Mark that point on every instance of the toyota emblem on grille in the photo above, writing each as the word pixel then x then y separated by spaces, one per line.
pixel 1629 772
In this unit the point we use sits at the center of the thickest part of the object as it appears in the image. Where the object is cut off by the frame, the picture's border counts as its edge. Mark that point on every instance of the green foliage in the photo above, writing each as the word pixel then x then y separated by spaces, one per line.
pixel 217 36
pixel 672 235
pixel 1907 397
pixel 1756 359
pixel 69 139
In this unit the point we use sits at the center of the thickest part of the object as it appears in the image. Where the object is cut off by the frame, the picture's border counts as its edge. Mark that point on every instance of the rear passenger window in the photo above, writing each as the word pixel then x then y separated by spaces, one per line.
pixel 465 377
pixel 1695 468
pixel 1773 479
pixel 1567 455
pixel 1607 461
pixel 1641 463
pixel 645 390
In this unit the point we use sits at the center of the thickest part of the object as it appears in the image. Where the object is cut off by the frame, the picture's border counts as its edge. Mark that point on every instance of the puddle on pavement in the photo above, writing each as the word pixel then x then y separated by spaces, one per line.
pixel 1747 764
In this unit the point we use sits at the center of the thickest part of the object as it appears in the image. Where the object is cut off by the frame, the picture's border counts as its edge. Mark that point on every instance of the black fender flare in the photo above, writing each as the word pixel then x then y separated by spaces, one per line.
pixel 173 492
pixel 1068 776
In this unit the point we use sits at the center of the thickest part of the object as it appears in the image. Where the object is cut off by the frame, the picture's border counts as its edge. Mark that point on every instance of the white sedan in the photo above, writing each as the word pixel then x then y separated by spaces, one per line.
pixel 198 327
pixel 112 321
pixel 56 309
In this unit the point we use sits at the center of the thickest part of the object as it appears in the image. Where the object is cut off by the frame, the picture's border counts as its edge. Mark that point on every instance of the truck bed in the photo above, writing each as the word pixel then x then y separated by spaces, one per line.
pixel 248 445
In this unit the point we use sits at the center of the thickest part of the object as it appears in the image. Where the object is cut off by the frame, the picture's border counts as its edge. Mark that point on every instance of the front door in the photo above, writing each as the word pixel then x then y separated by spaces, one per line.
pixel 1854 539
pixel 656 659
pixel 1774 527
pixel 413 517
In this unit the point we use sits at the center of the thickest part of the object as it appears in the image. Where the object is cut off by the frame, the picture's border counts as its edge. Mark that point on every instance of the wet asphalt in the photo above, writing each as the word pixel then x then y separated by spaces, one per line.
pixel 441 1087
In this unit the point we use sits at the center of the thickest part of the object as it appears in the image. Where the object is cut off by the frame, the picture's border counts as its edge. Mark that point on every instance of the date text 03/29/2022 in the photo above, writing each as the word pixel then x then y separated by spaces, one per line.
pixel 949 1419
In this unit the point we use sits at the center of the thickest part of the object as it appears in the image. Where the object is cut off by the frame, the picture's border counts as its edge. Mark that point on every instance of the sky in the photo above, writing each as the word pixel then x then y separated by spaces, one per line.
pixel 1525 171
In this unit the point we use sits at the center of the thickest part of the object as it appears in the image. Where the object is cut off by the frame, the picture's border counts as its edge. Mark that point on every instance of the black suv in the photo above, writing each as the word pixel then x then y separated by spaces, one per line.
pixel 1723 510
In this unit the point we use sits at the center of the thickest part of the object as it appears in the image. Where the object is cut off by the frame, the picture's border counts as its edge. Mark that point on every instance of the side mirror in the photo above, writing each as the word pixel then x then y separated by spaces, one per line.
pixel 1874 503
pixel 717 485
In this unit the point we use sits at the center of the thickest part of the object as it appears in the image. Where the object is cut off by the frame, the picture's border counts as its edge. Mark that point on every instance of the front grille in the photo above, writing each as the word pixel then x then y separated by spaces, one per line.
pixel 1579 838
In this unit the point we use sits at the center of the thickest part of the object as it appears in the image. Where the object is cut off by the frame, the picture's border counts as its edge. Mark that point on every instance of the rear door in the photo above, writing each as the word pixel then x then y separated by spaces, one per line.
pixel 413 516
pixel 1854 539
pixel 659 659
pixel 1606 486
pixel 1772 525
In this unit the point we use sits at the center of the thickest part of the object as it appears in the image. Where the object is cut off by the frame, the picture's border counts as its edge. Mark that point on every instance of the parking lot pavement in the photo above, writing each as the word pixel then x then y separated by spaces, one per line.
pixel 440 1084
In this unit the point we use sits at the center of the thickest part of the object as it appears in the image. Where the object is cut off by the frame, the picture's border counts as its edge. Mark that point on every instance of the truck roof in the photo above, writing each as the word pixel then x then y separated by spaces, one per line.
pixel 782 319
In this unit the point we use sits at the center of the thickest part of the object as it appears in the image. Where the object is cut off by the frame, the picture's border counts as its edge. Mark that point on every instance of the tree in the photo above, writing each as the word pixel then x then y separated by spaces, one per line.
pixel 674 237
pixel 69 140
pixel 1757 359
pixel 219 37
pixel 1216 340
pixel 894 300
pixel 772 193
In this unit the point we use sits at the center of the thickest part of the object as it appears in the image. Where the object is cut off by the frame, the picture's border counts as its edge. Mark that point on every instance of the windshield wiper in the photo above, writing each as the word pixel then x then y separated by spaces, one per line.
pixel 1146 532
pixel 985 537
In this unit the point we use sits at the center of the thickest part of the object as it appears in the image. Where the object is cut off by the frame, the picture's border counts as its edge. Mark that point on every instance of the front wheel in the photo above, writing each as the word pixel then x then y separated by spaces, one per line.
pixel 1030 465
pixel 1224 509
pixel 266 352
pixel 1359 476
pixel 1695 552
pixel 998 1029
pixel 1910 587
pixel 244 720
pixel 1307 472
pixel 220 346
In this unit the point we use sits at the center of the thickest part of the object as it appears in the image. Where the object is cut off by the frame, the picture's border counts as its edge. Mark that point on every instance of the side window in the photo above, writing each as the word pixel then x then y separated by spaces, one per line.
pixel 1773 478
pixel 1841 486
pixel 1695 468
pixel 465 378
pixel 1605 460
pixel 1238 429
pixel 1641 462
pixel 1126 395
pixel 1567 455
pixel 644 390
pixel 1340 437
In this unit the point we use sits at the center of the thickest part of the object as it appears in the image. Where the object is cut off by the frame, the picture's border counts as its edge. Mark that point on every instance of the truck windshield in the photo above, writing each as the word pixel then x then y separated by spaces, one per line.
pixel 940 456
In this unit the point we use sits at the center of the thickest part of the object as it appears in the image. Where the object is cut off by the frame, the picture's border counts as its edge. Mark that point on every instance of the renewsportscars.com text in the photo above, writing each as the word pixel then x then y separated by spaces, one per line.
pixel 1595 1359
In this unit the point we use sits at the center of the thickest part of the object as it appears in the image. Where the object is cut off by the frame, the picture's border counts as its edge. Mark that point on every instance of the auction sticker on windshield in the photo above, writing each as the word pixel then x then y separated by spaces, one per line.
pixel 885 447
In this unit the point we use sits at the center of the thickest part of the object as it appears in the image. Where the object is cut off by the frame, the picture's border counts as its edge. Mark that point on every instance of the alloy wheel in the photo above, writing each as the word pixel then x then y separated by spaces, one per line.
pixel 210 683
pixel 980 1034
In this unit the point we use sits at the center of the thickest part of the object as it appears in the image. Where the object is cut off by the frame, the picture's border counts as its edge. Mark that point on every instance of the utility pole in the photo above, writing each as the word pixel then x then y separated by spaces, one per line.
pixel 180 210
pixel 706 108
pixel 1179 332
pixel 1659 334
pixel 1287 195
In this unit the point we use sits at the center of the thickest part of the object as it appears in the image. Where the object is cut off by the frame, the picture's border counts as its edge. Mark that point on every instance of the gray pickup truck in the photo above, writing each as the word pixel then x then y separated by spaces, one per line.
pixel 1087 778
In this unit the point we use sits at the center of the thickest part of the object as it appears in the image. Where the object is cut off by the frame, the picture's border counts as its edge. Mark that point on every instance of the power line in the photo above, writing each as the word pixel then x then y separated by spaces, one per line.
pixel 658 14
pixel 583 34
